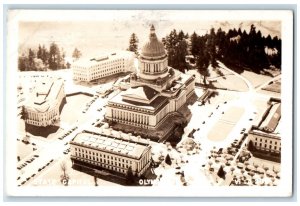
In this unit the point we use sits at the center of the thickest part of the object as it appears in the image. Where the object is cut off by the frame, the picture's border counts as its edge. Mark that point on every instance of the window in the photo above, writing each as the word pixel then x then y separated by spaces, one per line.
pixel 270 147
pixel 276 143
pixel 265 140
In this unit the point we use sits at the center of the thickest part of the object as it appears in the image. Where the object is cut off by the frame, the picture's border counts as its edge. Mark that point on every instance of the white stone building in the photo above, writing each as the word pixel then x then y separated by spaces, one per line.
pixel 266 136
pixel 156 90
pixel 100 152
pixel 43 103
pixel 103 66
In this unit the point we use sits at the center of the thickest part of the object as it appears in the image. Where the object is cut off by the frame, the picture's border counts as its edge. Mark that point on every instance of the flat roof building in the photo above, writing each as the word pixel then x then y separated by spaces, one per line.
pixel 107 153
pixel 43 103
pixel 266 135
pixel 88 69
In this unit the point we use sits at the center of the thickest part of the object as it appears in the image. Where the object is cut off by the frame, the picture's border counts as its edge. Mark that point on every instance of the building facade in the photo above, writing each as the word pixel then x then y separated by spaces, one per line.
pixel 43 104
pixel 156 90
pixel 266 136
pixel 103 66
pixel 102 152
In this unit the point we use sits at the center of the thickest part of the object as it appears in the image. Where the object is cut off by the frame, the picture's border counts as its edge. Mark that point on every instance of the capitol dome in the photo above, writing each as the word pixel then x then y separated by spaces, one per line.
pixel 153 48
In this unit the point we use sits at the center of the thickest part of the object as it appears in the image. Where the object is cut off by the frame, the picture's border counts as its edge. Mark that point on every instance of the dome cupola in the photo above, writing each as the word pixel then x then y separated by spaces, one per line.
pixel 153 48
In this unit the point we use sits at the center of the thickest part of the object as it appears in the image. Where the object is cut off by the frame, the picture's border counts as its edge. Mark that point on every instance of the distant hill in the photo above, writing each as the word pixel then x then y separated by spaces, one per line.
pixel 92 36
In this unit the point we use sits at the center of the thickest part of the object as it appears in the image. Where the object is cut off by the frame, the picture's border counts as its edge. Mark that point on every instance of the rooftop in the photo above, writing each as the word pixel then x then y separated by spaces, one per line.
pixel 111 144
pixel 102 57
pixel 44 94
pixel 144 93
pixel 153 105
pixel 271 121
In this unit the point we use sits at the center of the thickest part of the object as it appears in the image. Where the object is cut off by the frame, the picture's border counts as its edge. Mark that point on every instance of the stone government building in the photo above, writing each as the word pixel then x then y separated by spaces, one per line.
pixel 157 92
pixel 44 103
pixel 109 155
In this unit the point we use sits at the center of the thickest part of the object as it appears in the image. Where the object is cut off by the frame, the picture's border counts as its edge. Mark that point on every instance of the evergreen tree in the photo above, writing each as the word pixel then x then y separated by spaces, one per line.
pixel 133 43
pixel 202 59
pixel 251 146
pixel 129 176
pixel 31 56
pixel 45 55
pixel 176 47
pixel 22 63
pixel 194 44
pixel 39 53
pixel 221 173
pixel 54 57
pixel 168 160
pixel 211 47
pixel 221 43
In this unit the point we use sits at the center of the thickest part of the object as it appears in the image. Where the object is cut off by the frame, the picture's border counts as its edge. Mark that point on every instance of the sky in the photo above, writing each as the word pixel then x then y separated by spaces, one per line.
pixel 98 31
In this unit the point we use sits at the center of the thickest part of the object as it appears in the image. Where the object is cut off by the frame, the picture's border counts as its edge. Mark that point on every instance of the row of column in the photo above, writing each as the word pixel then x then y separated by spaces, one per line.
pixel 130 117
pixel 156 67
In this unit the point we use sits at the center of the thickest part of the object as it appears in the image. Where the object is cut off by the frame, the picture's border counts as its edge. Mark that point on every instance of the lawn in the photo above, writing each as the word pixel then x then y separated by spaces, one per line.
pixel 255 79
pixel 225 124
pixel 231 82
pixel 233 114
pixel 220 131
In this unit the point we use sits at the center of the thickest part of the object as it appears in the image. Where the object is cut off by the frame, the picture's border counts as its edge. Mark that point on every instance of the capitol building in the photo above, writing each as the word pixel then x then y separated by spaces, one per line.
pixel 156 92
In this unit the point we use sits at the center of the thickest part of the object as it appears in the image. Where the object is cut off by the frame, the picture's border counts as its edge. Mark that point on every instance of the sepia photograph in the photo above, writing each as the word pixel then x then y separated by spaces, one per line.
pixel 149 103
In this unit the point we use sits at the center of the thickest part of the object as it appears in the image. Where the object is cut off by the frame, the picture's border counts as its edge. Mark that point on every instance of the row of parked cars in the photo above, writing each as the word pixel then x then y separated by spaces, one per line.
pixel 40 169
pixel 67 133
pixel 27 162
pixel 67 151
pixel 43 167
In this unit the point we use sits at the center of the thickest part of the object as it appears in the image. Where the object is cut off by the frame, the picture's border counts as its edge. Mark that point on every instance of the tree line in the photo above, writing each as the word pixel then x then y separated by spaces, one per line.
pixel 42 59
pixel 237 48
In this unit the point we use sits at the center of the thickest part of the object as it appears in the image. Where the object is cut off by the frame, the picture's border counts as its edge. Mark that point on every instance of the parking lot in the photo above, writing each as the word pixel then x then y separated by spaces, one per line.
pixel 72 111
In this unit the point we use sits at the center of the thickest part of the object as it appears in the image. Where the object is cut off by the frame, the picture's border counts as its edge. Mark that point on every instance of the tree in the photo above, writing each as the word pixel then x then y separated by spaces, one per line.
pixel 54 57
pixel 39 65
pixel 45 55
pixel 22 63
pixel 129 176
pixel 39 54
pixel 211 47
pixel 31 56
pixel 194 44
pixel 68 65
pixel 168 160
pixel 133 43
pixel 76 54
pixel 64 178
pixel 251 146
pixel 221 173
pixel 202 63
pixel 177 48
